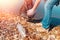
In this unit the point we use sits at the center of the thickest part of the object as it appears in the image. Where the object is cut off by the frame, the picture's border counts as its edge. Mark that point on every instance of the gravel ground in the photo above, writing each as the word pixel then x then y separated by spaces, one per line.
pixel 9 30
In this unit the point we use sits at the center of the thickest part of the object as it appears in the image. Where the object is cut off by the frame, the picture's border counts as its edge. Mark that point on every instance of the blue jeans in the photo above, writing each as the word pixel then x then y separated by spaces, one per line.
pixel 48 11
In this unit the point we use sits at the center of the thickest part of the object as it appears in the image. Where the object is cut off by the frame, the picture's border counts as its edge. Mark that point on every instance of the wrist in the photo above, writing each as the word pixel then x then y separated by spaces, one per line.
pixel 33 9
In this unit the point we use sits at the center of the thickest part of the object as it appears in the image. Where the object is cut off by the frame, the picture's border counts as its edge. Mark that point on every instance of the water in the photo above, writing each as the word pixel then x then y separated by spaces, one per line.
pixel 55 13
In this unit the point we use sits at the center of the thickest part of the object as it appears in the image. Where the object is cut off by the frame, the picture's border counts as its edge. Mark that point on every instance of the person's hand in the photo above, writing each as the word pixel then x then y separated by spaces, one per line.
pixel 30 13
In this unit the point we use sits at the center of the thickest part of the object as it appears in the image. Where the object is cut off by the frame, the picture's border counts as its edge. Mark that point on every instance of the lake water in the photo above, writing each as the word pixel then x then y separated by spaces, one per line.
pixel 55 13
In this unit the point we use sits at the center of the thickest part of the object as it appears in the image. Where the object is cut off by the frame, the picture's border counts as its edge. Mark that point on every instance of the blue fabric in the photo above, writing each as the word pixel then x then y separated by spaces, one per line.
pixel 48 12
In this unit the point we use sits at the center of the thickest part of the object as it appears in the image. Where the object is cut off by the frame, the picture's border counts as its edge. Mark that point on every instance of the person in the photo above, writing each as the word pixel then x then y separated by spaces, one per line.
pixel 45 24
pixel 31 11
pixel 48 12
